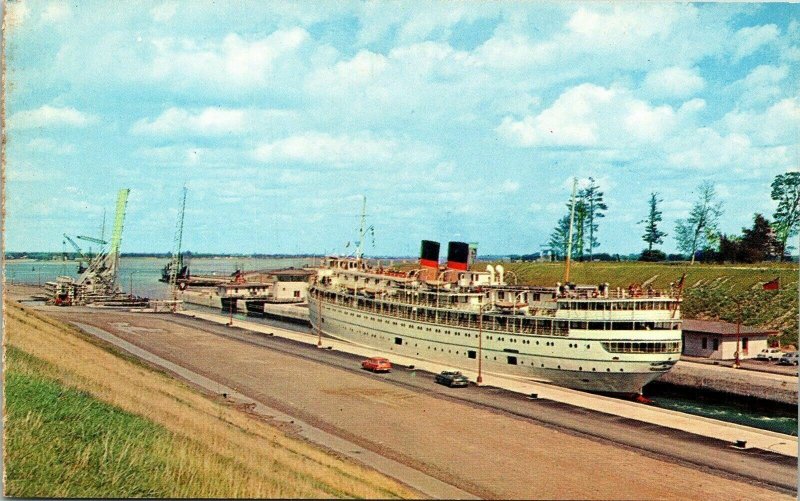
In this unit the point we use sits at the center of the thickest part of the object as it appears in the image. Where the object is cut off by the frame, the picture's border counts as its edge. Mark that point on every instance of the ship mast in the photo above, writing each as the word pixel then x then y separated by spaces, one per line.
pixel 363 229
pixel 569 238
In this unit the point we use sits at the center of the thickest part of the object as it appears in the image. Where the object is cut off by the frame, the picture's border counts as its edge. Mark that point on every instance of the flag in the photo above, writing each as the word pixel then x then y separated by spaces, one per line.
pixel 773 285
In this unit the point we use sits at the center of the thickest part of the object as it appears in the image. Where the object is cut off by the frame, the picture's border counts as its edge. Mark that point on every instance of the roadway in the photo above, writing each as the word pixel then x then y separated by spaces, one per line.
pixel 487 441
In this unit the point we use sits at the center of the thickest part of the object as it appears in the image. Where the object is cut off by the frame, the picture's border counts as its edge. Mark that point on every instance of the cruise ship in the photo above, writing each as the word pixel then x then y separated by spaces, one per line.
pixel 588 337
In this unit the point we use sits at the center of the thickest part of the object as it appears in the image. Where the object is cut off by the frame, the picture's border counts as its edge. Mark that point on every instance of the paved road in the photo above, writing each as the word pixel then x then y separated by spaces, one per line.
pixel 489 442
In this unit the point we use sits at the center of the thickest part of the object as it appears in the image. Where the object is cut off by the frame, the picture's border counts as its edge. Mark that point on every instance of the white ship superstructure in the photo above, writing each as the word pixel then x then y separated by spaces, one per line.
pixel 592 338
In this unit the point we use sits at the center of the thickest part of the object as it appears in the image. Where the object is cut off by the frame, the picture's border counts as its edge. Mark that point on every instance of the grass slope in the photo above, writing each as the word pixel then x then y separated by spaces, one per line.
pixel 83 422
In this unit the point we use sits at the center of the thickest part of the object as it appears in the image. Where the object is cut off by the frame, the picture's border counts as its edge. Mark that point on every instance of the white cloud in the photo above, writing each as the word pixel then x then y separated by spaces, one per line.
pixel 777 125
pixel 50 116
pixel 763 85
pixel 206 122
pixel 707 149
pixel 325 149
pixel 589 115
pixel 230 65
pixel 748 40
pixel 56 12
pixel 674 82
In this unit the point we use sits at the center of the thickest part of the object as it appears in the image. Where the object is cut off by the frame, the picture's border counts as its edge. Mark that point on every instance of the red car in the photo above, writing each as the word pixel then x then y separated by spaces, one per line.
pixel 377 364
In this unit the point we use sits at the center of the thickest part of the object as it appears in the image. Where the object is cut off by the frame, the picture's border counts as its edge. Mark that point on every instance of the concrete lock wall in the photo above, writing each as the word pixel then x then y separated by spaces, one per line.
pixel 736 382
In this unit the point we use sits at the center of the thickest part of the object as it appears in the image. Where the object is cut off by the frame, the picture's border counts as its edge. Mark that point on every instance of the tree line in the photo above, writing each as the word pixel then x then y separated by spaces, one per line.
pixel 697 236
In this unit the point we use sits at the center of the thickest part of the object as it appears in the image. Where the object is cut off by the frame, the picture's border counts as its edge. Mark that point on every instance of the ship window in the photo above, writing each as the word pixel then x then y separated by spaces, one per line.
pixel 398 340
pixel 512 360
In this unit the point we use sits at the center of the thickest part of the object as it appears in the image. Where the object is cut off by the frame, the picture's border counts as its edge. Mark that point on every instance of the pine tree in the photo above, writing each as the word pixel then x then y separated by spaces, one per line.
pixel 652 235
pixel 593 207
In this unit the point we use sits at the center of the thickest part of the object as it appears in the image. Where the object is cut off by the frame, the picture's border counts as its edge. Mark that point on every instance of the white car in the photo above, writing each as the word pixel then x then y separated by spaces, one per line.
pixel 789 359
pixel 770 354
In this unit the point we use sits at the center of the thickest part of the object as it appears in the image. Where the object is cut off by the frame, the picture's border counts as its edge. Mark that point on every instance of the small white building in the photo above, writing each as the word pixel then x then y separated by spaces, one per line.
pixel 718 340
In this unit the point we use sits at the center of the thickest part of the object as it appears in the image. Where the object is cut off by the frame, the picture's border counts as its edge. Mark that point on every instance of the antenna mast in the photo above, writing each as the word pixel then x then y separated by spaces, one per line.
pixel 362 229
pixel 175 263
pixel 569 238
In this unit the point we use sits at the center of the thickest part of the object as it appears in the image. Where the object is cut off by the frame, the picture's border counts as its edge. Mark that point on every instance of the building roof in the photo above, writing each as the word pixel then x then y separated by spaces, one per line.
pixel 292 272
pixel 720 328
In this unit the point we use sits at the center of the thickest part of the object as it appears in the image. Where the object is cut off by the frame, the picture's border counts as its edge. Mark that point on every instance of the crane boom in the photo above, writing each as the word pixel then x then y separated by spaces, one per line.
pixel 92 239
pixel 175 263
pixel 75 246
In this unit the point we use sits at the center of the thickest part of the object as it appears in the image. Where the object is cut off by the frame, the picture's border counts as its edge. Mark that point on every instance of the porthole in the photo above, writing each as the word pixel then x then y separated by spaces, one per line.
pixel 580 368
pixel 608 369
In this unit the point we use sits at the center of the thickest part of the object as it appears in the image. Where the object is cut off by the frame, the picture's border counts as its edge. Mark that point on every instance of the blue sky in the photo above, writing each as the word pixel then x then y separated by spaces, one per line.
pixel 457 120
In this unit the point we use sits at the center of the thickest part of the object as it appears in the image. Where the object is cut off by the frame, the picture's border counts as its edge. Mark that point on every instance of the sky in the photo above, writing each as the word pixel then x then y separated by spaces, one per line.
pixel 457 120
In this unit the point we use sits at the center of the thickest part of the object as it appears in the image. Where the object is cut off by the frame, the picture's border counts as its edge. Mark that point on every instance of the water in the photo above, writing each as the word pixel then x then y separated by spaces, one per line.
pixel 140 275
pixel 762 414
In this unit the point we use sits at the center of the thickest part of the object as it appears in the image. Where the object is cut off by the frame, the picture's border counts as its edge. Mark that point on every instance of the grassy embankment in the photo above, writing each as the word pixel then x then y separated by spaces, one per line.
pixel 83 422
pixel 711 291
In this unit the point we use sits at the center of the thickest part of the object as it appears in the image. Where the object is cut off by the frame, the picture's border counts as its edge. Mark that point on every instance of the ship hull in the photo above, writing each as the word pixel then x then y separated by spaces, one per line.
pixel 574 361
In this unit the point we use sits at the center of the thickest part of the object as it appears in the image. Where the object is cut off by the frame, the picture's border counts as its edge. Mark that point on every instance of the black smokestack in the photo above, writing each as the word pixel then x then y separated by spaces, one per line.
pixel 457 256
pixel 429 254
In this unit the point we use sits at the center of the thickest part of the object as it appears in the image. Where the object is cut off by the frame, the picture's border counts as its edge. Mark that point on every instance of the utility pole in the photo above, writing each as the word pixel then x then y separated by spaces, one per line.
pixel 569 238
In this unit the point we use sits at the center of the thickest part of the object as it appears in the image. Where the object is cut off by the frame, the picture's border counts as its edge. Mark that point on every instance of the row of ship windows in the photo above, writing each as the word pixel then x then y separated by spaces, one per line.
pixel 510 359
pixel 642 347
pixel 614 347
pixel 615 306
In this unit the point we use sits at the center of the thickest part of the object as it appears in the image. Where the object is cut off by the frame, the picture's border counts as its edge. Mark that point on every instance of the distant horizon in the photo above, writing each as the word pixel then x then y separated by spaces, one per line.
pixel 457 121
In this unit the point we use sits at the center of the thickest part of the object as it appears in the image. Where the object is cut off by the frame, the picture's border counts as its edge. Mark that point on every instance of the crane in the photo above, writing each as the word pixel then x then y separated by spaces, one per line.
pixel 176 261
pixel 81 267
pixel 92 239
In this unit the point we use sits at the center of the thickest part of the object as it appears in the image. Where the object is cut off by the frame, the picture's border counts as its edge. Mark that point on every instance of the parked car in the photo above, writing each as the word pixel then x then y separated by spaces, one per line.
pixel 769 354
pixel 790 358
pixel 452 379
pixel 377 364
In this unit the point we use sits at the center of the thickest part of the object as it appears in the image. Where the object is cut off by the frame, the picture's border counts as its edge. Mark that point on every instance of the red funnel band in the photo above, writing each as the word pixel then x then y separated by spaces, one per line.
pixel 455 265
pixel 429 263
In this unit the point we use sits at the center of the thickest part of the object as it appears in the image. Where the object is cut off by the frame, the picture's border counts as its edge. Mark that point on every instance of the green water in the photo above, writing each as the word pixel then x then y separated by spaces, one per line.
pixel 781 418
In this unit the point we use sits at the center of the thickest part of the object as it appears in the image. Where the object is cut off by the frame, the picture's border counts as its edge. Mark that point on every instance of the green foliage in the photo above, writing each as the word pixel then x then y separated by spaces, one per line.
pixel 593 206
pixel 786 191
pixel 700 229
pixel 652 235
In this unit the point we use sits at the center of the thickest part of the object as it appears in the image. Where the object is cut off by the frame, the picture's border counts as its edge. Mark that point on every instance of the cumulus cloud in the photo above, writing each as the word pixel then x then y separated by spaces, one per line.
pixel 206 122
pixel 748 40
pixel 230 64
pixel 50 116
pixel 674 82
pixel 589 115
pixel 777 125
pixel 326 149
